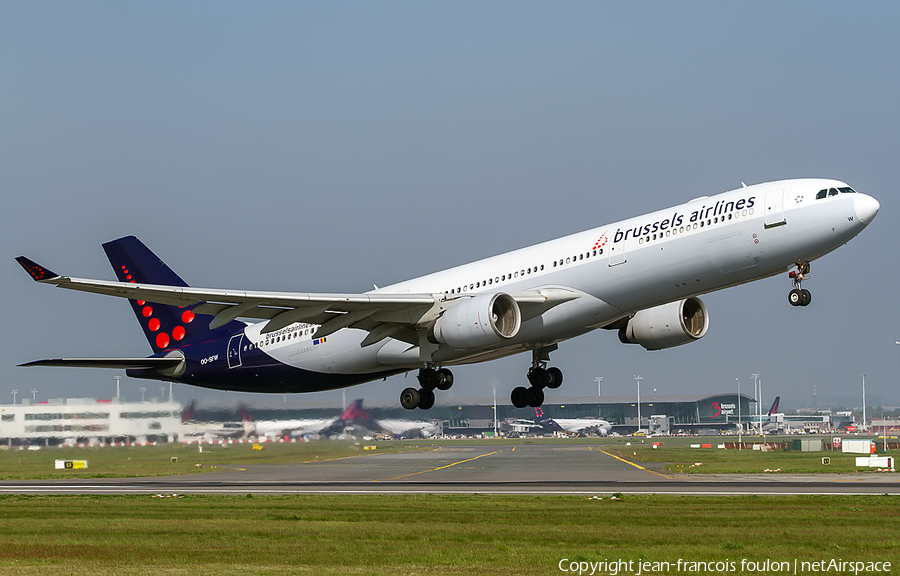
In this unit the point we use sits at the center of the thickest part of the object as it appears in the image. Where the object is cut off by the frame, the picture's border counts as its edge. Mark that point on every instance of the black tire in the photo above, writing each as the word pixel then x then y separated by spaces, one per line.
pixel 410 398
pixel 445 379
pixel 428 378
pixel 795 297
pixel 555 378
pixel 537 397
pixel 806 297
pixel 520 396
pixel 426 399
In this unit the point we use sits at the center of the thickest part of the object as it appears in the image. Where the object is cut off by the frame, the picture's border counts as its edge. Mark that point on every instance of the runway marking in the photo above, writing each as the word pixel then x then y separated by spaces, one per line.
pixel 438 468
pixel 636 465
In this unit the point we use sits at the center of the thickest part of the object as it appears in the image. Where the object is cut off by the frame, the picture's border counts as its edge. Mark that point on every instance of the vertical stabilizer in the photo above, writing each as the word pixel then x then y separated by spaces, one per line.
pixel 166 327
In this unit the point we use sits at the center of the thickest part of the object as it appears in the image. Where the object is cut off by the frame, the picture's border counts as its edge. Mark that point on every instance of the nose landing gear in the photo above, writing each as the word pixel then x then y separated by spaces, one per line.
pixel 799 296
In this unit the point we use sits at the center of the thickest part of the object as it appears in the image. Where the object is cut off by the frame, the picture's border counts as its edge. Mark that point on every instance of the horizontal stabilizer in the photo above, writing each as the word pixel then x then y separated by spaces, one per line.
pixel 123 363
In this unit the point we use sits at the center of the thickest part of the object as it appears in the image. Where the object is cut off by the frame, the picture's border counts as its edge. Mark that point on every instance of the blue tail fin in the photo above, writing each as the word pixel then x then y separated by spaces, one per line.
pixel 165 327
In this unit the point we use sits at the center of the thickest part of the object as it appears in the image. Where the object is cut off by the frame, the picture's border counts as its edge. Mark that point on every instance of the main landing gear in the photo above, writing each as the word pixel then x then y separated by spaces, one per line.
pixel 540 377
pixel 429 379
pixel 799 296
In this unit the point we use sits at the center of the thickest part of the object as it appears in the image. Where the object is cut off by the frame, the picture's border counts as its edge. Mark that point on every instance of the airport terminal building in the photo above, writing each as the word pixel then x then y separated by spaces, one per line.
pixel 84 420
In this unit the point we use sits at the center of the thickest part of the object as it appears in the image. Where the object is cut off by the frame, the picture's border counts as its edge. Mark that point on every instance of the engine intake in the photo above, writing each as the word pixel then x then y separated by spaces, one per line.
pixel 475 322
pixel 668 325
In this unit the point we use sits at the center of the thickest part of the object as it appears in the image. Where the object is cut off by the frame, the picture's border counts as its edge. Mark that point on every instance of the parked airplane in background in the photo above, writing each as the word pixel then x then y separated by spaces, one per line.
pixel 640 276
pixel 354 421
pixel 572 425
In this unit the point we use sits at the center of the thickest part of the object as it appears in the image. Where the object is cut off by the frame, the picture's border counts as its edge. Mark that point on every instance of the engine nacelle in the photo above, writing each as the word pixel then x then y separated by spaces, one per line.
pixel 475 322
pixel 668 325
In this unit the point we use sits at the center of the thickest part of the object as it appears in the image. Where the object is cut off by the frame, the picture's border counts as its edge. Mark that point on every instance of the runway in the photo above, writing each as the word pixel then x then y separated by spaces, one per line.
pixel 507 469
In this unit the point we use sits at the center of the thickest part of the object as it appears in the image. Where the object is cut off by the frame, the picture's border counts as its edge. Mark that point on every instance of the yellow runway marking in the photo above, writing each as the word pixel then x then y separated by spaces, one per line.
pixel 439 467
pixel 636 465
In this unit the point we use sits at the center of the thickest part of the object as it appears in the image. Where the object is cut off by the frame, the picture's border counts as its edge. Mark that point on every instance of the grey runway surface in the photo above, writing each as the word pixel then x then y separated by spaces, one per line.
pixel 507 469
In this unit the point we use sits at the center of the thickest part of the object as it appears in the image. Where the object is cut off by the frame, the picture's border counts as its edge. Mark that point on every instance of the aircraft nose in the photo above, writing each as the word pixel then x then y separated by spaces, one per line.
pixel 866 207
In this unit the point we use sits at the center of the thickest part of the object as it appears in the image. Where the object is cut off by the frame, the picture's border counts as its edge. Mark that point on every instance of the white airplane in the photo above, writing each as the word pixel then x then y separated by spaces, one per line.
pixel 640 276
pixel 572 425
pixel 354 421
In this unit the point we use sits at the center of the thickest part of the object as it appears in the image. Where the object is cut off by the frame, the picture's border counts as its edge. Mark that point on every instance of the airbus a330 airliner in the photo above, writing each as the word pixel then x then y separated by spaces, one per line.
pixel 640 276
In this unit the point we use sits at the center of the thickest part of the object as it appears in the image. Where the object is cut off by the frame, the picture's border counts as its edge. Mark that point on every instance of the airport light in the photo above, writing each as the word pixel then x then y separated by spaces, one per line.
pixel 740 425
pixel 757 391
pixel 863 376
pixel 638 379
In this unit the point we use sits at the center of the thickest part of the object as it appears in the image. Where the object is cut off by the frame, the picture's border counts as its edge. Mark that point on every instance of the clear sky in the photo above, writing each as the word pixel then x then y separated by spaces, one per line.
pixel 331 146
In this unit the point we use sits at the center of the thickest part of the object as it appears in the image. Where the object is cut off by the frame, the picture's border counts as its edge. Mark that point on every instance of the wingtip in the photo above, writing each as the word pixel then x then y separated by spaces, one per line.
pixel 35 270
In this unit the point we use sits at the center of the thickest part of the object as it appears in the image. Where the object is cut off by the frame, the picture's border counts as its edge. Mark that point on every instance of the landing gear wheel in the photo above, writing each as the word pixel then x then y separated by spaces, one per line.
pixel 805 297
pixel 795 297
pixel 426 399
pixel 537 397
pixel 428 378
pixel 539 378
pixel 445 379
pixel 556 378
pixel 520 396
pixel 410 398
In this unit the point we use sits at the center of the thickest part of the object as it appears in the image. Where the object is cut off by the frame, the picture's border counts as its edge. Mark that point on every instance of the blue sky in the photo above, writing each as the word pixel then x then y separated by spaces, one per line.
pixel 331 146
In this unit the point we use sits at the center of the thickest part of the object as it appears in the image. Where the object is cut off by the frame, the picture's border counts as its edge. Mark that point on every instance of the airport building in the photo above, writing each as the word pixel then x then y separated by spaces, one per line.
pixel 687 413
pixel 84 420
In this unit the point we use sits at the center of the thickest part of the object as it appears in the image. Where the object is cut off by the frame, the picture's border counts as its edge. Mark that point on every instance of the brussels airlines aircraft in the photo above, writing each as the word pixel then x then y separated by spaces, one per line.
pixel 640 276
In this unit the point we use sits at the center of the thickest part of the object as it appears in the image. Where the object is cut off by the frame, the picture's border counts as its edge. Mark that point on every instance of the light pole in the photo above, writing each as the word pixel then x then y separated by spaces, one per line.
pixel 142 393
pixel 118 378
pixel 863 376
pixel 757 390
pixel 638 380
pixel 599 380
pixel 740 424
pixel 14 392
pixel 34 394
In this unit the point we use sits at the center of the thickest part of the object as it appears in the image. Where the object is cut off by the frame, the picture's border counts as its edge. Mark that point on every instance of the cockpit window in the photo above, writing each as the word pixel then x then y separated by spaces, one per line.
pixel 847 190
pixel 832 192
pixel 821 194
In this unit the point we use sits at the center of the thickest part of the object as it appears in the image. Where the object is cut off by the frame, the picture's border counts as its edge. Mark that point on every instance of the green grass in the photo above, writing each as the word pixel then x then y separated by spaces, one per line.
pixel 430 534
pixel 133 461
pixel 679 457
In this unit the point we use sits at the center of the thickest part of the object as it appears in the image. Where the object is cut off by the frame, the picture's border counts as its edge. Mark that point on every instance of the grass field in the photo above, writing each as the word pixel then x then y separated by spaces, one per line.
pixel 679 457
pixel 432 534
pixel 122 461
pixel 675 453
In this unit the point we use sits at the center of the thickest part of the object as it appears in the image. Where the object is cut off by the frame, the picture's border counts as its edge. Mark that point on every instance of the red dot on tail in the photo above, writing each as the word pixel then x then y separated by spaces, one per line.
pixel 187 316
pixel 153 324
pixel 141 302
pixel 178 332
pixel 147 311
pixel 162 340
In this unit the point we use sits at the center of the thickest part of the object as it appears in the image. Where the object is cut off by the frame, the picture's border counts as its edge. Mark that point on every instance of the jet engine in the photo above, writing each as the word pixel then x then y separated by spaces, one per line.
pixel 475 322
pixel 668 325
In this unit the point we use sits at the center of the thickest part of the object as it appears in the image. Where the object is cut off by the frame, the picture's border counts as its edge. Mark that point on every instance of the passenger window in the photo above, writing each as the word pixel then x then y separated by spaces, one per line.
pixel 821 194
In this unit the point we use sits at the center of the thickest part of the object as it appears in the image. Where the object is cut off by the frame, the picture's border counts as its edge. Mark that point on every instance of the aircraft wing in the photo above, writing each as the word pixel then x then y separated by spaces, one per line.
pixel 382 315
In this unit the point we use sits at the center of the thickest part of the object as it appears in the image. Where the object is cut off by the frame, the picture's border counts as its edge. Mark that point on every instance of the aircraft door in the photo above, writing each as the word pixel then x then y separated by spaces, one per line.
pixel 617 253
pixel 775 208
pixel 234 350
